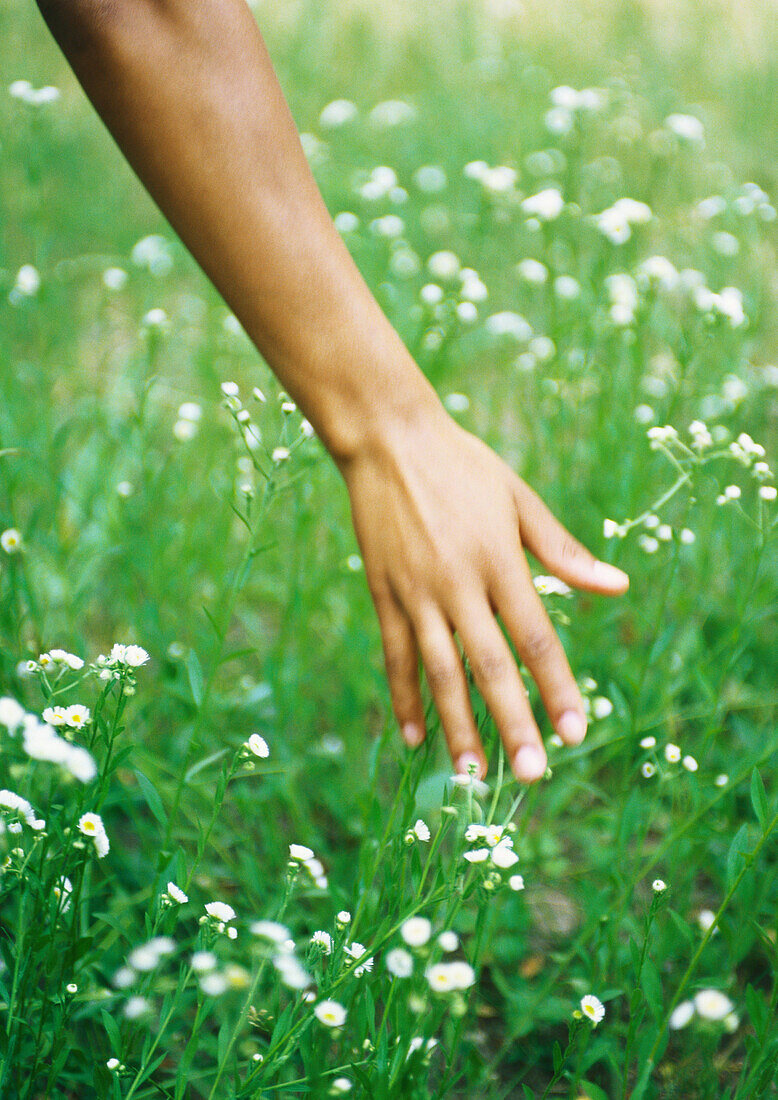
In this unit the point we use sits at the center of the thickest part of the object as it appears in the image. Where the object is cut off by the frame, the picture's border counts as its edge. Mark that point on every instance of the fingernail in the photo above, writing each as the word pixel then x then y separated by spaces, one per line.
pixel 529 763
pixel 610 575
pixel 413 734
pixel 467 761
pixel 571 727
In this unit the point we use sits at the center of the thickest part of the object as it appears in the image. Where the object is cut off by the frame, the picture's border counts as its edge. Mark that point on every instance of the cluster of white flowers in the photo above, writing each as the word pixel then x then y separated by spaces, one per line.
pixel 617 220
pixel 494 855
pixel 302 856
pixel 623 292
pixel 672 754
pixel 19 808
pixel 450 977
pixel 56 661
pixel 567 103
pixel 40 741
pixel 709 1004
pixel 174 895
pixel 153 253
pixel 187 423
pixel 75 717
pixel 218 916
pixel 33 97
pixel 91 825
pixel 147 956
pixel 495 181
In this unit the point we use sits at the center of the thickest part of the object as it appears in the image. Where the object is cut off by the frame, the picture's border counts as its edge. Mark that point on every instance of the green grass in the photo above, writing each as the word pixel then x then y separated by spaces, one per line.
pixel 257 617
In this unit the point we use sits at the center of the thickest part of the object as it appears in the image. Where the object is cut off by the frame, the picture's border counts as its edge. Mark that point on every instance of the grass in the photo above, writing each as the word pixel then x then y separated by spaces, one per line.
pixel 254 610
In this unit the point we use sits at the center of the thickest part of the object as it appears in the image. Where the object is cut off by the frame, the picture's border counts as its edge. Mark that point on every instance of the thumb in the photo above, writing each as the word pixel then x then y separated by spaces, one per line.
pixel 553 545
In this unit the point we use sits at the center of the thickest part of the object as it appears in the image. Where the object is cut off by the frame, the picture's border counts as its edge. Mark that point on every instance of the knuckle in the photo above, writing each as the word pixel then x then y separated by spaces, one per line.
pixel 442 674
pixel 570 549
pixel 538 645
pixel 490 666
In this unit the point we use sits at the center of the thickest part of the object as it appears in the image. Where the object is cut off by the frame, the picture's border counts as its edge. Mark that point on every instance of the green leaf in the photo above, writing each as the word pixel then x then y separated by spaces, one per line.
pixel 736 854
pixel 759 799
pixel 153 800
pixel 112 1028
pixel 652 987
pixel 195 671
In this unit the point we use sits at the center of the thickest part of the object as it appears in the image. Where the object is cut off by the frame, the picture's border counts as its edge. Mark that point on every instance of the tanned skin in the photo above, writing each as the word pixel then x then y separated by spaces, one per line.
pixel 188 91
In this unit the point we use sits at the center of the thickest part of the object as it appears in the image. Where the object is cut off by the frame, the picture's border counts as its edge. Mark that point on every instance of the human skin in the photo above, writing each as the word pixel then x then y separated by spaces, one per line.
pixel 188 91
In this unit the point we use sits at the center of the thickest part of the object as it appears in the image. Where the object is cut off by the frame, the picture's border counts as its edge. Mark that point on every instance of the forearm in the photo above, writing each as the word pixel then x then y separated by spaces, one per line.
pixel 188 91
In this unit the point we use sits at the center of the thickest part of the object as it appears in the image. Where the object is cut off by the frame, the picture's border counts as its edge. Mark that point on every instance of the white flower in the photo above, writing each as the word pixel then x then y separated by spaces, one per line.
pixel 421 831
pixel 330 1013
pixel 14 802
pixel 516 882
pixel 448 941
pixel 291 972
pixel 11 540
pixel 340 1086
pixel 91 825
pixel 77 716
pixel 143 958
pixel 392 112
pixel 155 318
pixel 135 1007
pixel 444 265
pixel 270 930
pixel 124 977
pixel 343 917
pixel 503 855
pixel 546 205
pixel 153 252
pixel 220 911
pixel 338 113
pixel 712 1004
pixel 135 656
pixel 601 707
pixel 112 1063
pixel 690 763
pixel 705 919
pixel 551 586
pixel 358 952
pixel 462 974
pixel 299 853
pixel 721 780
pixel 686 127
pixel 532 271
pixel 768 492
pixel 399 963
pixel 681 1015
pixel 647 770
pixel 175 893
pixel 416 931
pixel 62 891
pixel 430 178
pixel 202 961
pixel 593 1008
pixel 672 753
pixel 658 886
pixel 476 855
pixel 648 742
pixel 475 832
pixel 12 714
pixel 508 323
pixel 440 978
pixel 566 287
pixel 213 984
pixel 323 940
pixel 258 746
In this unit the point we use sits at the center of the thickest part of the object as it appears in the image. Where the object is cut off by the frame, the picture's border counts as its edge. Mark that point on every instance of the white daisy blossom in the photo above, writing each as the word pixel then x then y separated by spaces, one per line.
pixel 690 763
pixel 593 1008
pixel 323 940
pixel 448 941
pixel 672 753
pixel 258 746
pixel 686 127
pixel 77 716
pixel 503 855
pixel 299 853
pixel 516 882
pixel 112 1063
pixel 70 659
pixel 658 886
pixel 705 919
pixel 399 963
pixel 9 800
pixel 41 742
pixel 338 113
pixel 416 931
pixel 11 540
pixel 447 977
pixel 62 891
pixel 358 952
pixel 270 930
pixel 601 707
pixel 213 984
pixel 175 893
pixel 681 1015
pixel 136 1007
pixel 421 830
pixel 546 205
pixel 203 961
pixel 330 1013
pixel 477 855
pixel 712 1004
pixel 647 770
pixel 220 911
pixel 91 825
pixel 551 586
pixel 12 714
pixel 648 742
pixel 291 972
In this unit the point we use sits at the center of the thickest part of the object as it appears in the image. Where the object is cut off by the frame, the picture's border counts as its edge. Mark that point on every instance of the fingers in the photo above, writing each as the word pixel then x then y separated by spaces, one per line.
pixel 538 644
pixel 448 684
pixel 401 657
pixel 498 679
pixel 553 545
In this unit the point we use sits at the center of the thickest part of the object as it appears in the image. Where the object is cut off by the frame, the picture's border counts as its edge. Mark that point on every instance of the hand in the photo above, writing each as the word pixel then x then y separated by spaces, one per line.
pixel 441 522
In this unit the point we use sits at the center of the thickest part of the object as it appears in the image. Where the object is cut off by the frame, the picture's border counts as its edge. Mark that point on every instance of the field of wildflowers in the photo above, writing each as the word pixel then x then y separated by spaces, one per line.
pixel 221 873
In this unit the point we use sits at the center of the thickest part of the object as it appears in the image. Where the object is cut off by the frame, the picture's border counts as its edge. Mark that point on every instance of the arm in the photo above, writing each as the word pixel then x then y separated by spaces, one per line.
pixel 188 91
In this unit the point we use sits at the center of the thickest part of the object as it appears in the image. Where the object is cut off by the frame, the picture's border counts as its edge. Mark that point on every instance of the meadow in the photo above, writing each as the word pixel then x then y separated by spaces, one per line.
pixel 222 875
